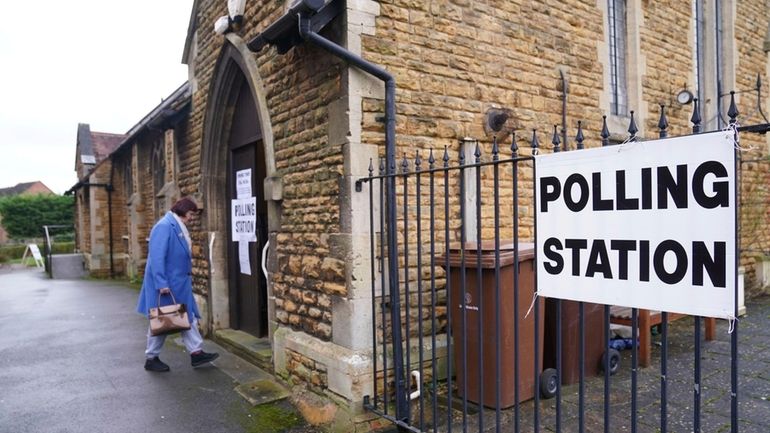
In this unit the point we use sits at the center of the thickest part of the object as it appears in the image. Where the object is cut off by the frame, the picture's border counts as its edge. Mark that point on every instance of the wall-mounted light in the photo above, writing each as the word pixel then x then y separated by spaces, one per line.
pixel 222 25
pixel 684 97
pixel 235 9
pixel 234 18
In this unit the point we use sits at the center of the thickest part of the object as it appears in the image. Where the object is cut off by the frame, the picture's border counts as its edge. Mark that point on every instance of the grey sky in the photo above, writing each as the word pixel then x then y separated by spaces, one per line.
pixel 99 62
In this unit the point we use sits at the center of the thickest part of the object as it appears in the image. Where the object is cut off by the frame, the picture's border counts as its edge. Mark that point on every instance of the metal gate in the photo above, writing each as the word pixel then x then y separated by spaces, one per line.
pixel 451 358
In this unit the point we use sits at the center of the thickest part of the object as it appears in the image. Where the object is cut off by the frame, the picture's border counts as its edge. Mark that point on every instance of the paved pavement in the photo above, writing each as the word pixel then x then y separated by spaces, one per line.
pixel 72 356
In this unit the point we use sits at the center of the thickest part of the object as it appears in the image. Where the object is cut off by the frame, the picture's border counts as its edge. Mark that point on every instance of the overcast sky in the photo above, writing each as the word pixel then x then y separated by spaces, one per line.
pixel 104 63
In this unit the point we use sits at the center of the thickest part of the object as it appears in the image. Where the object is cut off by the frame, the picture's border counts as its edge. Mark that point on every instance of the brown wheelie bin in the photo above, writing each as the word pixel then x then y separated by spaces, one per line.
pixel 570 335
pixel 527 382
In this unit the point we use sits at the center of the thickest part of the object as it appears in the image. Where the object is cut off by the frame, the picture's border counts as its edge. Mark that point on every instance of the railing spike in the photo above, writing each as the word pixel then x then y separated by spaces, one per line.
pixel 371 167
pixel 405 164
pixel 417 161
pixel 579 137
pixel 495 149
pixel 431 159
pixel 605 132
pixel 732 112
pixel 446 157
pixel 695 119
pixel 663 122
pixel 514 146
pixel 555 140
pixel 632 129
pixel 382 166
pixel 535 143
pixel 477 152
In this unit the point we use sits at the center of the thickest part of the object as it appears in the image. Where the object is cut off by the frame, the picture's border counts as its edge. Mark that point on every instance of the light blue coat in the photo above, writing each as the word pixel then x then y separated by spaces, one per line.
pixel 169 264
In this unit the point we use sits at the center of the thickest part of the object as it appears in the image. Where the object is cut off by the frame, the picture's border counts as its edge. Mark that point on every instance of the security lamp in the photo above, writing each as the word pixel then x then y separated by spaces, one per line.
pixel 684 97
pixel 222 25
pixel 235 8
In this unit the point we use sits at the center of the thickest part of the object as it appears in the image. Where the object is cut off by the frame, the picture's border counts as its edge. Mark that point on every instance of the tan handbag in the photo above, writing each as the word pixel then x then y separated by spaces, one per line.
pixel 169 319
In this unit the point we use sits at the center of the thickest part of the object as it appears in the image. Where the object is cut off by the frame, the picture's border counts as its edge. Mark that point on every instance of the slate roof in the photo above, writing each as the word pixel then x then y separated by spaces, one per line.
pixel 104 143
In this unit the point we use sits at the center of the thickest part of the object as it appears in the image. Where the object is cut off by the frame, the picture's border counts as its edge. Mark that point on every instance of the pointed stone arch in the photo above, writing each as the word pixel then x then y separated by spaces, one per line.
pixel 235 65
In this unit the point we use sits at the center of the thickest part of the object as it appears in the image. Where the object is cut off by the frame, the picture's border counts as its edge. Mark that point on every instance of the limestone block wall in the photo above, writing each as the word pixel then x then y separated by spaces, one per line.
pixel 453 60
pixel 309 252
pixel 751 32
pixel 83 220
pixel 97 254
pixel 120 232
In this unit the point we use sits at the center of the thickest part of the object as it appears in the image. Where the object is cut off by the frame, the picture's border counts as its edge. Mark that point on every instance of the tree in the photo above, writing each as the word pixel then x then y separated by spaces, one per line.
pixel 23 216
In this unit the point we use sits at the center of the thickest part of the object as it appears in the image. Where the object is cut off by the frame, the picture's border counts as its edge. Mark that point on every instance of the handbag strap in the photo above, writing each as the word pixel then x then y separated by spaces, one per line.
pixel 170 293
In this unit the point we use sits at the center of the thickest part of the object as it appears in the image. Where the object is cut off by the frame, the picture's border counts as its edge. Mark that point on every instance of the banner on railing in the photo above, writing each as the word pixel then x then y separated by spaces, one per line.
pixel 648 224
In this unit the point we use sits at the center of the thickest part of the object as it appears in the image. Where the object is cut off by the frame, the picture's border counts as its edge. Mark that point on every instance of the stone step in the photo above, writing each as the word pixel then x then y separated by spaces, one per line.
pixel 252 349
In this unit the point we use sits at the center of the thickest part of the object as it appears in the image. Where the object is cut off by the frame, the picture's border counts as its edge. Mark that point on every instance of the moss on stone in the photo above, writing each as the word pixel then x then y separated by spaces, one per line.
pixel 278 417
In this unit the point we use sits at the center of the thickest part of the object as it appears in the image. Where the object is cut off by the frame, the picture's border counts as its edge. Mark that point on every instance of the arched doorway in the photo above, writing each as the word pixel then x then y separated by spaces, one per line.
pixel 245 175
pixel 237 138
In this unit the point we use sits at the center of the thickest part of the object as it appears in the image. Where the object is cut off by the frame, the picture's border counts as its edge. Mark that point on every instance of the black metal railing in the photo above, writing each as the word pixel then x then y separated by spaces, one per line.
pixel 449 356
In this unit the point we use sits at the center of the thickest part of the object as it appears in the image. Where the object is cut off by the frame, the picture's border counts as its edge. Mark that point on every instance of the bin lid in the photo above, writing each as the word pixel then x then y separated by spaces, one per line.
pixel 507 251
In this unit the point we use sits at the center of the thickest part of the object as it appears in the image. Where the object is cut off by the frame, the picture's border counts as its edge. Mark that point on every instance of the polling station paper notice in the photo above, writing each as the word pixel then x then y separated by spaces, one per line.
pixel 244 219
pixel 647 225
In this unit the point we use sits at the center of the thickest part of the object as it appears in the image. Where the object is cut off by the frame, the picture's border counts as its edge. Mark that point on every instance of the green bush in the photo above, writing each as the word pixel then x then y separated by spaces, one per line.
pixel 25 215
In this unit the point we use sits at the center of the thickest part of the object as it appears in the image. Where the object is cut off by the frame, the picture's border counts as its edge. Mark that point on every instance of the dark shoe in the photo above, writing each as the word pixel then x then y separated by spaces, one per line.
pixel 155 364
pixel 202 357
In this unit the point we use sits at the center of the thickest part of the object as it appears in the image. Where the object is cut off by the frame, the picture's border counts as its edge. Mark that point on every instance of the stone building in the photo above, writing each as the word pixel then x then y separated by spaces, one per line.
pixel 299 126
pixel 125 183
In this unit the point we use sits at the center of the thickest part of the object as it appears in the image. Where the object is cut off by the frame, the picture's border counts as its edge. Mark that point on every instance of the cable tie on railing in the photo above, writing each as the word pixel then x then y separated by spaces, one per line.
pixel 532 305
pixel 732 130
pixel 731 320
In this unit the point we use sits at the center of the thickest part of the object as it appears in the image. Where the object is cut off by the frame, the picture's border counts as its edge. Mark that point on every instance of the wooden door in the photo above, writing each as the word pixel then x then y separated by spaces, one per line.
pixel 248 290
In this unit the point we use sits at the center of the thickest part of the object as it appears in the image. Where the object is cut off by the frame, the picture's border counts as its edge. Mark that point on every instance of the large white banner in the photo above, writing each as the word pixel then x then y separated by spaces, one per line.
pixel 645 224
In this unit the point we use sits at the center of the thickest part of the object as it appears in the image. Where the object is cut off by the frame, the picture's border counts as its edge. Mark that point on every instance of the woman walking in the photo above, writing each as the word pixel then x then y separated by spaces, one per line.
pixel 169 272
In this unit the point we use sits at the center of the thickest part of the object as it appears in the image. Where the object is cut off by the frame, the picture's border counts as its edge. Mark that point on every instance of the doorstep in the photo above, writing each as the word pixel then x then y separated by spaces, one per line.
pixel 252 349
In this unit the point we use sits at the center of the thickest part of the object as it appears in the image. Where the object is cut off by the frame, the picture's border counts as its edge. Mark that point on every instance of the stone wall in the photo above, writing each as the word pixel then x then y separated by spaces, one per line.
pixel 97 254
pixel 309 263
pixel 120 223
pixel 751 31
pixel 453 60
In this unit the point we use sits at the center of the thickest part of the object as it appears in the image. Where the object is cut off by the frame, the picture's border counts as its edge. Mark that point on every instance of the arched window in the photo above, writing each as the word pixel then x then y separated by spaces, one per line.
pixel 158 175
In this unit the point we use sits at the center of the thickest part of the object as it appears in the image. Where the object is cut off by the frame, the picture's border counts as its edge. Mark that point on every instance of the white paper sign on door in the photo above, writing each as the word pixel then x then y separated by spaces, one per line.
pixel 243 183
pixel 243 257
pixel 244 219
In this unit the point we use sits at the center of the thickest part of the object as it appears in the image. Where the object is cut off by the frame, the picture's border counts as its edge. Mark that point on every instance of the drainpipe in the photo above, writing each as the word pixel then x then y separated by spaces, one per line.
pixel 309 35
pixel 563 110
pixel 718 60
pixel 109 189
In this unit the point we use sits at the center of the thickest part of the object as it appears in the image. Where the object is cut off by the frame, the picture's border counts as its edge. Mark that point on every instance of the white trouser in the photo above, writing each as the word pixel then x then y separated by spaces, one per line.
pixel 192 340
